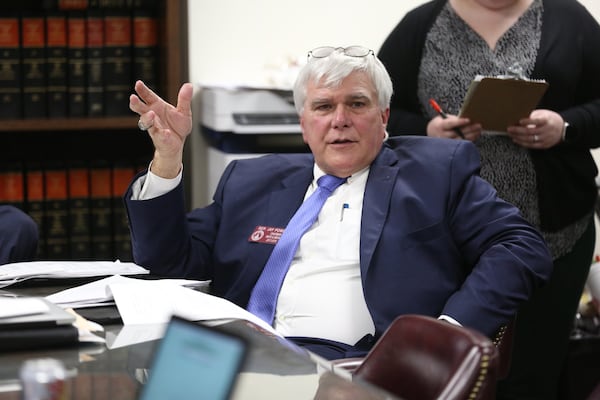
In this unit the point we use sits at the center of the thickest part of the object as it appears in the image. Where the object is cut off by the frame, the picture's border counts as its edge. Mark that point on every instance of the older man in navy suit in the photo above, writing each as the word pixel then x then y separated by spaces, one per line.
pixel 413 228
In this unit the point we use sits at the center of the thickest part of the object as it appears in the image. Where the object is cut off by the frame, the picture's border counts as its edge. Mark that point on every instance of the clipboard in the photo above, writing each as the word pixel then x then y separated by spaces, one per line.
pixel 499 102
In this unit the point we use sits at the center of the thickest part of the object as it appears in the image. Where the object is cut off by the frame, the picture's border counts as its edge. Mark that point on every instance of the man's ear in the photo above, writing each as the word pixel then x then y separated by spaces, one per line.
pixel 385 116
pixel 303 130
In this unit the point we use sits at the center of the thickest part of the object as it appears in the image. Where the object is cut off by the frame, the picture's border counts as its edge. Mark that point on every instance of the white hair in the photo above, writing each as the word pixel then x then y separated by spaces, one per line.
pixel 331 70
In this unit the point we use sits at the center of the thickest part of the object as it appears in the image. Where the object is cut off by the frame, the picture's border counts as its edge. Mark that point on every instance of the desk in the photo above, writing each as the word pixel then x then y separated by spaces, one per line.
pixel 274 369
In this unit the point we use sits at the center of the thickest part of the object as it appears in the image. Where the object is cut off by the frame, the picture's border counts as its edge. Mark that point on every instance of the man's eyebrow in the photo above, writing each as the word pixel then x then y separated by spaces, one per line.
pixel 320 100
pixel 350 97
pixel 359 96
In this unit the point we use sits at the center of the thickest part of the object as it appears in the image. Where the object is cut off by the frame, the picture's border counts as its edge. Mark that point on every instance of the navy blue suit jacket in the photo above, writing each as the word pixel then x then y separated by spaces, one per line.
pixel 434 240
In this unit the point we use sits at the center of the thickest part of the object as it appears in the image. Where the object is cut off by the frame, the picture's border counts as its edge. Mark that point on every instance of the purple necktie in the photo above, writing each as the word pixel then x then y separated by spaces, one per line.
pixel 264 295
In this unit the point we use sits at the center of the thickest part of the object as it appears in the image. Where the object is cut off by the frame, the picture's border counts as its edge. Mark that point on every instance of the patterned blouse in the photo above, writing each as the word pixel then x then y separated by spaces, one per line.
pixel 453 54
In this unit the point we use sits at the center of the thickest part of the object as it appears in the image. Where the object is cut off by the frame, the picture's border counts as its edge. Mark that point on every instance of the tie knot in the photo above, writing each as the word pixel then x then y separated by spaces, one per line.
pixel 330 182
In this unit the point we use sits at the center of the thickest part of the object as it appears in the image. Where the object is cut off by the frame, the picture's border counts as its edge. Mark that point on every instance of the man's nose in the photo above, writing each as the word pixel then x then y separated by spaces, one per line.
pixel 340 117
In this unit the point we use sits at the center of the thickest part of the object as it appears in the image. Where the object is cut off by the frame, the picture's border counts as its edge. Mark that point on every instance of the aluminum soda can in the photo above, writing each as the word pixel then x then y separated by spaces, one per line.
pixel 43 379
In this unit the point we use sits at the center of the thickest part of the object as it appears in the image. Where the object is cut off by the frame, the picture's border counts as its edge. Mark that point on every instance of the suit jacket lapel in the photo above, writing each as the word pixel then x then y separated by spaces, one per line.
pixel 282 205
pixel 376 203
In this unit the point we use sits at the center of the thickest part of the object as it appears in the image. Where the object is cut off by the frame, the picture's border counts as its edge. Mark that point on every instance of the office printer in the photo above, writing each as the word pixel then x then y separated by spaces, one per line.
pixel 246 122
pixel 250 120
pixel 249 110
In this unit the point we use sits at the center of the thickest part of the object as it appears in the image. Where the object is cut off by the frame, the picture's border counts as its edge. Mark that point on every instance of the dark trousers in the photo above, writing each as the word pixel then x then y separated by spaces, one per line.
pixel 544 324
pixel 18 235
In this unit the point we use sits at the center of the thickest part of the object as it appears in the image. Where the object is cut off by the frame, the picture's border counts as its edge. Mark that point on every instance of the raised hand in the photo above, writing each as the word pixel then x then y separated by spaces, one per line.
pixel 167 125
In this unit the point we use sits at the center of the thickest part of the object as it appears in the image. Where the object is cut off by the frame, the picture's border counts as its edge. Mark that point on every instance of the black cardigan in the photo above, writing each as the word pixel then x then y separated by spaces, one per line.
pixel 568 58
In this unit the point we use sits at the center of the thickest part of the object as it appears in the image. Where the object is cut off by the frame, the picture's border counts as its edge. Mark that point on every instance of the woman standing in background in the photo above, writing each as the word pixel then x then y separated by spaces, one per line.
pixel 543 165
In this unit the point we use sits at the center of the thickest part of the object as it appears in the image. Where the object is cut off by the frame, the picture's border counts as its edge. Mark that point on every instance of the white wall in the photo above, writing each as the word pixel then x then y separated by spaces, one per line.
pixel 254 41
pixel 241 40
pixel 593 7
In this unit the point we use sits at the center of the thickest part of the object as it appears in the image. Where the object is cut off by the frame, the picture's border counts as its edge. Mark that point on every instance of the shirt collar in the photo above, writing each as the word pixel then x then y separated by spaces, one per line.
pixel 317 173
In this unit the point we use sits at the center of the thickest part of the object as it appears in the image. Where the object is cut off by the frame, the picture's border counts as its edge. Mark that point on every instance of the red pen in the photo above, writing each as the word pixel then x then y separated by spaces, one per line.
pixel 442 114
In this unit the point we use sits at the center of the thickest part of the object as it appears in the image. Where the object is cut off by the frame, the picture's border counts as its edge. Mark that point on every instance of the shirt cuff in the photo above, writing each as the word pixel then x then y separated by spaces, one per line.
pixel 449 319
pixel 150 186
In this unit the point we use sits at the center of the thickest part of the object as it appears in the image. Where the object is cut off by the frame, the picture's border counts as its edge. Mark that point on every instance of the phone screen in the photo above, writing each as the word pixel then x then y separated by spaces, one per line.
pixel 194 361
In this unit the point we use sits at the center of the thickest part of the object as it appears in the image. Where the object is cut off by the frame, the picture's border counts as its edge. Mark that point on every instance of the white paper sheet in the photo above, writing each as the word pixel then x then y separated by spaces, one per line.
pixel 17 272
pixel 254 385
pixel 96 293
pixel 132 334
pixel 89 293
pixel 19 306
pixel 154 302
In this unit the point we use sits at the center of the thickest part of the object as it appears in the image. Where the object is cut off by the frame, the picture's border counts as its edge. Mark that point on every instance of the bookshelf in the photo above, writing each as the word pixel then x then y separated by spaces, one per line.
pixel 51 125
pixel 110 142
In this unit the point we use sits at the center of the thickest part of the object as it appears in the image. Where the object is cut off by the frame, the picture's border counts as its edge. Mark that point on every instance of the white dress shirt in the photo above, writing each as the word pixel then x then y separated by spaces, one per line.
pixel 322 294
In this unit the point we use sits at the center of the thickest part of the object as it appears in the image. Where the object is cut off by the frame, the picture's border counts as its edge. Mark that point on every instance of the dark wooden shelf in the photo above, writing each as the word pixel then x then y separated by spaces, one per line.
pixel 69 124
pixel 173 69
pixel 38 154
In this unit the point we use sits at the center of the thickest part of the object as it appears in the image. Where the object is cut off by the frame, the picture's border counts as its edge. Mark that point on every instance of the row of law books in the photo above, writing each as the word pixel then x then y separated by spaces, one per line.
pixel 73 59
pixel 78 207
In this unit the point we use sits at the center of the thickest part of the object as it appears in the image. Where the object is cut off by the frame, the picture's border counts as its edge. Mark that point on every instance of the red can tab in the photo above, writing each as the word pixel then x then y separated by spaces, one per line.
pixel 265 234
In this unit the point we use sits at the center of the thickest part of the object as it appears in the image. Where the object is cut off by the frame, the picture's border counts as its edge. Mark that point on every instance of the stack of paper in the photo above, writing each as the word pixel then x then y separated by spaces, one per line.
pixel 18 272
pixel 20 306
pixel 146 306
pixel 32 322
pixel 98 293
pixel 35 322
pixel 26 312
